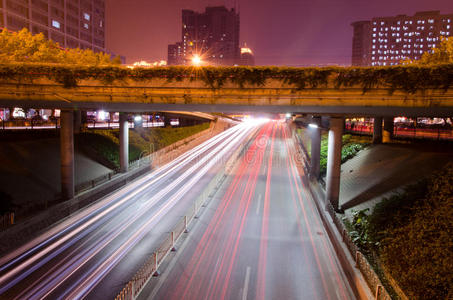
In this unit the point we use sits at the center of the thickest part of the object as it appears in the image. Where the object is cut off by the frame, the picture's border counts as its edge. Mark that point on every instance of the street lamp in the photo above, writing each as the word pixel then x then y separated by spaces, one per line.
pixel 196 60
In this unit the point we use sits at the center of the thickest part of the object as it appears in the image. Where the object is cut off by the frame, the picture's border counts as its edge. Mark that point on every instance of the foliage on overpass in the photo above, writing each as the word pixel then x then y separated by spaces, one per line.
pixel 409 78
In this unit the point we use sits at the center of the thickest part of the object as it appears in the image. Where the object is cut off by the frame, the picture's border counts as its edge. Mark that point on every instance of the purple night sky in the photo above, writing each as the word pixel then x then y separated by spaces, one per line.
pixel 280 32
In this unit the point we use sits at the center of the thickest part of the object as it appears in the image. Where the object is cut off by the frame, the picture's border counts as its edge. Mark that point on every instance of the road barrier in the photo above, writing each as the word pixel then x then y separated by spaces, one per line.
pixel 133 288
pixel 361 261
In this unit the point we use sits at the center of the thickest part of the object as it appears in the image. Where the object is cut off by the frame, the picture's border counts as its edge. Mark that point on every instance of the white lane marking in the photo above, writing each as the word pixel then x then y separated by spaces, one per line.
pixel 258 206
pixel 246 284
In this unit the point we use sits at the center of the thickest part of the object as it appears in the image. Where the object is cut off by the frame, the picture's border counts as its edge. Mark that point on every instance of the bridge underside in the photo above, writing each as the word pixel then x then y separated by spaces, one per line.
pixel 189 96
pixel 227 108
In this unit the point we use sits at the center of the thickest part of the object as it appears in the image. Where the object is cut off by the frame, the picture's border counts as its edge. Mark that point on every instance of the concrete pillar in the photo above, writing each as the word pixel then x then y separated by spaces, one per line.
pixel 77 121
pixel 377 130
pixel 124 143
pixel 315 148
pixel 67 154
pixel 387 135
pixel 334 162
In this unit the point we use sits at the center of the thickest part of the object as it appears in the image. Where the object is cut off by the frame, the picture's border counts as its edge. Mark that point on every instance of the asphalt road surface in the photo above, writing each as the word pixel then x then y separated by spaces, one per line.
pixel 96 251
pixel 260 237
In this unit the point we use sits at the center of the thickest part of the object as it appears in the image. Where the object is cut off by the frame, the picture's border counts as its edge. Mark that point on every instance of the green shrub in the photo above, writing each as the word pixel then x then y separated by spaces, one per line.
pixel 417 238
pixel 349 149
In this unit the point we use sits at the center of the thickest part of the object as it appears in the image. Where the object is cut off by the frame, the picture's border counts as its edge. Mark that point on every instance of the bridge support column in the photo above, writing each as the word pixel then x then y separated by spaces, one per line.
pixel 124 143
pixel 315 148
pixel 387 135
pixel 67 153
pixel 334 162
pixel 77 121
pixel 377 130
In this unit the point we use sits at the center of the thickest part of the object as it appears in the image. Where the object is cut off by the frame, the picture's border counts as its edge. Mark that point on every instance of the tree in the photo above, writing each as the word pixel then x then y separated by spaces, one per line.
pixel 22 46
pixel 440 55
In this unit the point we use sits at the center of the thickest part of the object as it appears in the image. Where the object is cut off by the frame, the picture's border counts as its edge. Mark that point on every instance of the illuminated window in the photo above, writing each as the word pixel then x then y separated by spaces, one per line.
pixel 374 29
pixel 448 26
pixel 56 24
pixel 85 25
pixel 86 16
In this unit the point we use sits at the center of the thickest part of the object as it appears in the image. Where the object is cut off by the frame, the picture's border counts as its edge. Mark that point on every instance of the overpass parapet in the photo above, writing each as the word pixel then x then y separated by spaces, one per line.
pixel 322 90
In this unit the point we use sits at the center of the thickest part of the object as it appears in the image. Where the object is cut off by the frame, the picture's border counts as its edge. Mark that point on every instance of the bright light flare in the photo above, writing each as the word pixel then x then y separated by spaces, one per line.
pixel 101 115
pixel 312 125
pixel 137 118
pixel 255 121
pixel 196 60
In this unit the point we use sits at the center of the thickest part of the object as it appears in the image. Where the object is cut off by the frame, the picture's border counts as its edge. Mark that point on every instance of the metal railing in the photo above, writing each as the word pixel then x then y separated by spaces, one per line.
pixel 362 263
pixel 133 288
pixel 403 131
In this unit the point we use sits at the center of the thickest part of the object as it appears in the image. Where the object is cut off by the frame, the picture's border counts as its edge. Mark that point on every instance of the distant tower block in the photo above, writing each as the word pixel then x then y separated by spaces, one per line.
pixel 247 57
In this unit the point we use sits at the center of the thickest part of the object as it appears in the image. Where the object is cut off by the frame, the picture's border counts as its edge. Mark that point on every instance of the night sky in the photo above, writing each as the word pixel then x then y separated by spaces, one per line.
pixel 280 32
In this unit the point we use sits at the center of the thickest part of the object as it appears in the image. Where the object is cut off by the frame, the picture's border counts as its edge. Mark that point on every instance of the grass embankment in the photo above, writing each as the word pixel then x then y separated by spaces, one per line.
pixel 351 146
pixel 411 234
pixel 142 142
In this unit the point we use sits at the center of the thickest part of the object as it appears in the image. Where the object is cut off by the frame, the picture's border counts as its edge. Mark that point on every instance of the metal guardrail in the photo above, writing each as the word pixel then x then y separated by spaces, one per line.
pixel 133 288
pixel 87 185
pixel 404 132
pixel 362 263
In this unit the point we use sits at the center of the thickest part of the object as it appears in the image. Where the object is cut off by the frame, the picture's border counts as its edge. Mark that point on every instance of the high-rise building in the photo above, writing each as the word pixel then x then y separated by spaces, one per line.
pixel 247 57
pixel 212 35
pixel 386 41
pixel 71 23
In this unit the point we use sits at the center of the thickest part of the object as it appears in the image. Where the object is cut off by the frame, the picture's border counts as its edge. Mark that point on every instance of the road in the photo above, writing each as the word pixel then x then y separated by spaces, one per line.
pixel 94 252
pixel 260 237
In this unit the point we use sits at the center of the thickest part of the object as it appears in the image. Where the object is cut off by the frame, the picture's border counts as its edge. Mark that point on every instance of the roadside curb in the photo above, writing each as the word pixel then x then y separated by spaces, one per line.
pixel 354 276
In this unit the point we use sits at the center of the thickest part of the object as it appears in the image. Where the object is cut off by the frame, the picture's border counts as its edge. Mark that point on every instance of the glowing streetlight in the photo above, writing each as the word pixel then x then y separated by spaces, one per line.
pixel 196 60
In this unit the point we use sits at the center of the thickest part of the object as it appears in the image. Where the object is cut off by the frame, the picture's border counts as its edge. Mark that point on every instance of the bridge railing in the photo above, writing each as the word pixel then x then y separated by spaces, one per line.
pixel 133 288
pixel 402 131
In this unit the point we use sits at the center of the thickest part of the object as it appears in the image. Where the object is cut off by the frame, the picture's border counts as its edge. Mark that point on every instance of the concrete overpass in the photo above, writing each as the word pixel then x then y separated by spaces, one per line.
pixel 316 92
pixel 160 95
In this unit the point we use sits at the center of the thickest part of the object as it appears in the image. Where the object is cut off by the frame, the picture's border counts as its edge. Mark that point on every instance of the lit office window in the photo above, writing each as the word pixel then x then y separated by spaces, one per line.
pixel 56 24
pixel 86 16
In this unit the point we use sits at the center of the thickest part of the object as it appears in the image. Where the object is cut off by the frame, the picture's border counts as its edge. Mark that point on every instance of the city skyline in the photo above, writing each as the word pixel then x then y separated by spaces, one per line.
pixel 290 33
